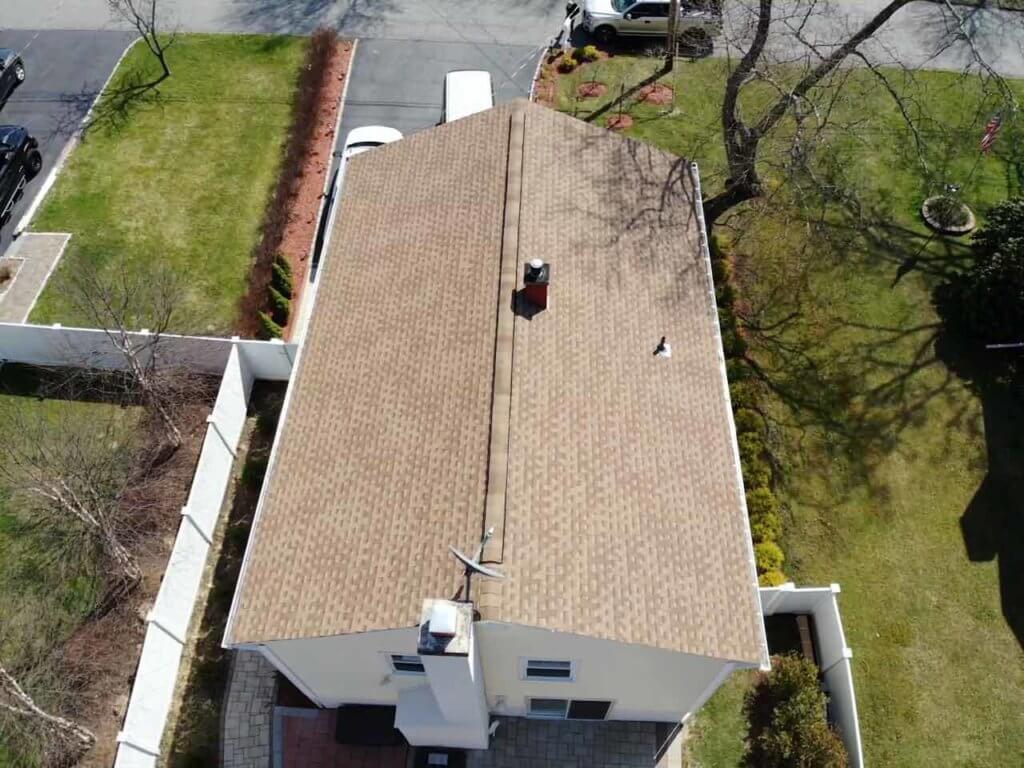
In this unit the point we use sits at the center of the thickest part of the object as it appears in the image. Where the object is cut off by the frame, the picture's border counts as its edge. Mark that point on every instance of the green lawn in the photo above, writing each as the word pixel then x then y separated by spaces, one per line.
pixel 883 449
pixel 47 585
pixel 180 178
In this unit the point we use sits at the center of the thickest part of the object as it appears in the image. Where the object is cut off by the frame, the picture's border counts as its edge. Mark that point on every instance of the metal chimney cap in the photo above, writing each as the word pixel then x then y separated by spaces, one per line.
pixel 536 263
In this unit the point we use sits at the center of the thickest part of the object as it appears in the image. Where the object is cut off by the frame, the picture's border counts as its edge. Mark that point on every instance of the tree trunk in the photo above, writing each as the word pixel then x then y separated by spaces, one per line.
pixel 733 194
pixel 24 706
pixel 673 31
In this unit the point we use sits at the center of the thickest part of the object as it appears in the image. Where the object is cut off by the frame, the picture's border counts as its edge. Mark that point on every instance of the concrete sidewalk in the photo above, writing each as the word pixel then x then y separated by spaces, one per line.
pixel 34 257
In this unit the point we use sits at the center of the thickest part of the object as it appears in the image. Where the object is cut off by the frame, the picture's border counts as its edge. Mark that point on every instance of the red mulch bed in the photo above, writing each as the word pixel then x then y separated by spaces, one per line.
pixel 297 240
pixel 619 122
pixel 591 89
pixel 656 93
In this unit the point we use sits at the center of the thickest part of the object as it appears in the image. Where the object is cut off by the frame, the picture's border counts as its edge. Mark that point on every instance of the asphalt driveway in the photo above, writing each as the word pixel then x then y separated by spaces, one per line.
pixel 65 71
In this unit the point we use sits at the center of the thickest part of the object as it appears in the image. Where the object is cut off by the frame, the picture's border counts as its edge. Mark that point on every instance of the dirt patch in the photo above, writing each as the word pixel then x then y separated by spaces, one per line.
pixel 619 122
pixel 656 93
pixel 8 271
pixel 290 223
pixel 591 89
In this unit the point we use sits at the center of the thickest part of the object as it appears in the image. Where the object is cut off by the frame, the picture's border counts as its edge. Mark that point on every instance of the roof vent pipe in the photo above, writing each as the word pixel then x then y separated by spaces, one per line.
pixel 536 277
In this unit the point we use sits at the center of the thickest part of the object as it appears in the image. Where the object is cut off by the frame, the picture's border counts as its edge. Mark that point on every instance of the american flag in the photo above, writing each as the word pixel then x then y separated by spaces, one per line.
pixel 991 131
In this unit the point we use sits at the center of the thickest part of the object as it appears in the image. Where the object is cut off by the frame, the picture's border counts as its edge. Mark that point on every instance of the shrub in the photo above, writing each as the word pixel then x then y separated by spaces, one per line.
pixel 586 53
pixel 948 211
pixel 721 270
pixel 725 295
pixel 762 501
pixel 733 344
pixel 751 448
pixel 253 472
pixel 281 279
pixel 766 526
pixel 748 421
pixel 720 245
pixel 281 261
pixel 743 393
pixel 280 305
pixel 772 579
pixel 785 711
pixel 567 64
pixel 736 369
pixel 757 474
pixel 268 328
pixel 768 556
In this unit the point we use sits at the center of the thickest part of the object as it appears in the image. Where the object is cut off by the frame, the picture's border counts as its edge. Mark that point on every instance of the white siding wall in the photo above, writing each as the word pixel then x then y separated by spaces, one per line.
pixel 643 683
pixel 350 669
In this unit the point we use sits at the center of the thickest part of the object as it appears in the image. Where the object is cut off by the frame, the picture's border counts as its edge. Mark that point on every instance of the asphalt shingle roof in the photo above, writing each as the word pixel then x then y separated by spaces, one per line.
pixel 427 406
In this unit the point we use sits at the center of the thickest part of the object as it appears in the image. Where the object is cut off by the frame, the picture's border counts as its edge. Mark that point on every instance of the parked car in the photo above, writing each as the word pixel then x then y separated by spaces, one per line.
pixel 607 19
pixel 359 140
pixel 12 72
pixel 19 161
pixel 466 92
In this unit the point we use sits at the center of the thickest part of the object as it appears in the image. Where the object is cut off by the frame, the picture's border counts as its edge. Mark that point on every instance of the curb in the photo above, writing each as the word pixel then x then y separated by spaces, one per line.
pixel 66 151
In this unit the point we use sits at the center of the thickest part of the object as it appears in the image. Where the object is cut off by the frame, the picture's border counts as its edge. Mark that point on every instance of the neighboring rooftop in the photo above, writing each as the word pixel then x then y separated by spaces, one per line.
pixel 425 408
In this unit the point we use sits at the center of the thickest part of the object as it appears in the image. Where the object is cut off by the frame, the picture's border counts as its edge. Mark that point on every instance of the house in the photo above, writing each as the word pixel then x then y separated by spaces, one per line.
pixel 572 415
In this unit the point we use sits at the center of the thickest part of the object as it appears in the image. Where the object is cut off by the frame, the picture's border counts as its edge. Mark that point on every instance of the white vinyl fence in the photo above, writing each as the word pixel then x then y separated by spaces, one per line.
pixel 833 654
pixel 239 362
pixel 167 623
pixel 54 345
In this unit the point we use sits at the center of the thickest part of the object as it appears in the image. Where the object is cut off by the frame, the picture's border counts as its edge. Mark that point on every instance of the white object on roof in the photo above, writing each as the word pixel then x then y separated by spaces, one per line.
pixel 443 619
pixel 466 92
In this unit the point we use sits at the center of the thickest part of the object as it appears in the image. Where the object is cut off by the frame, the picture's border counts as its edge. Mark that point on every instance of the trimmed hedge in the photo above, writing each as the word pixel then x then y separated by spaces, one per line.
pixel 280 306
pixel 762 505
pixel 768 556
pixel 268 328
pixel 765 527
pixel 772 579
pixel 281 279
pixel 310 93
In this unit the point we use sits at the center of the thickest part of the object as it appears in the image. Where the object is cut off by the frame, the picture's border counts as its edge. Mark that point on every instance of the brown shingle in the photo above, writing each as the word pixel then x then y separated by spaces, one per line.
pixel 622 514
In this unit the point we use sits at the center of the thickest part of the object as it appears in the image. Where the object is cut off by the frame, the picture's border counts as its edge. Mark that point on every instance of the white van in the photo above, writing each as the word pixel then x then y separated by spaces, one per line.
pixel 466 92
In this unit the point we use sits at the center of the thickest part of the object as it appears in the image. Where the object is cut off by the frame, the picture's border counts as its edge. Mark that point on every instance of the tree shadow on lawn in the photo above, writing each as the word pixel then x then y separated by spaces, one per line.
pixel 993 522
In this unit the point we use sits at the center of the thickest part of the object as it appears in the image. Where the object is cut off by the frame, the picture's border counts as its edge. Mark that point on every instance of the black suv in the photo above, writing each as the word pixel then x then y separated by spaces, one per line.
pixel 19 161
pixel 12 72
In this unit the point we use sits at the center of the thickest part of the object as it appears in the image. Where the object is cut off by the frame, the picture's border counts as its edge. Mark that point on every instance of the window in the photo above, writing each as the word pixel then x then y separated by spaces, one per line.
pixel 564 709
pixel 407 665
pixel 536 669
pixel 649 10
pixel 588 710
pixel 552 709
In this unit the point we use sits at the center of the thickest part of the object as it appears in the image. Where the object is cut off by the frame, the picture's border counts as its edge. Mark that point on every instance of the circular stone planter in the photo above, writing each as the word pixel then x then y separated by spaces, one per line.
pixel 656 93
pixel 619 122
pixel 930 218
pixel 591 89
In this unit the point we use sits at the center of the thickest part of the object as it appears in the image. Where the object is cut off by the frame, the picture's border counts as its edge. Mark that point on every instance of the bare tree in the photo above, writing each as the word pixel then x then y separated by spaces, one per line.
pixel 72 475
pixel 123 304
pixel 56 733
pixel 809 94
pixel 144 16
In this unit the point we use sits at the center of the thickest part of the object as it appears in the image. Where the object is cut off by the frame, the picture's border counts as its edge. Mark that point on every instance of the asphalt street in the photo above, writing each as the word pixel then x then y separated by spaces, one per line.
pixel 65 70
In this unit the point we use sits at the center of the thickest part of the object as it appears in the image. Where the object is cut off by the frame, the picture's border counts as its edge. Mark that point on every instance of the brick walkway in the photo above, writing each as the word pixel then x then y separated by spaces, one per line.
pixel 248 712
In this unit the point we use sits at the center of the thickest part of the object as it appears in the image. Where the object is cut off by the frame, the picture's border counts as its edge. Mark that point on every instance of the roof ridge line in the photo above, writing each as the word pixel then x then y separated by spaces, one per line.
pixel 504 343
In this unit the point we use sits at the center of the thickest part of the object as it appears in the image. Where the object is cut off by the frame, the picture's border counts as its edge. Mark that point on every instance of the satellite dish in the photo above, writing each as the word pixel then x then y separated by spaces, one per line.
pixel 473 565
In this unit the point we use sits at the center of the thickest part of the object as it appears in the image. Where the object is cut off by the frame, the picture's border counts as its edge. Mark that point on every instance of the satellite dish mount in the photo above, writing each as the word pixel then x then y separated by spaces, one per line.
pixel 473 565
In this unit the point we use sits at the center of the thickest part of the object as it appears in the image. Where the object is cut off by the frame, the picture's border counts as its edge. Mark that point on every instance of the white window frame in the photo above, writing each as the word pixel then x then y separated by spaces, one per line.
pixel 534 716
pixel 568 706
pixel 408 658
pixel 524 674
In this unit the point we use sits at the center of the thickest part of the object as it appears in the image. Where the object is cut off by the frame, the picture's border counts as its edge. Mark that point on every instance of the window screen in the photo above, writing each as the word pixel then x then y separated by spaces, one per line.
pixel 588 710
pixel 548 670
pixel 410 665
pixel 551 708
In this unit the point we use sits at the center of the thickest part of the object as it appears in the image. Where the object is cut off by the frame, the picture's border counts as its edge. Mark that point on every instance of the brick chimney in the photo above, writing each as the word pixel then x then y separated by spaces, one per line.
pixel 536 276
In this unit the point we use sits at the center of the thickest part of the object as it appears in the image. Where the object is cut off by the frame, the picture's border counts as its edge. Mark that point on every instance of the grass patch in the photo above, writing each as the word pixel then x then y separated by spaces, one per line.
pixel 898 476
pixel 180 175
pixel 719 731
pixel 46 591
